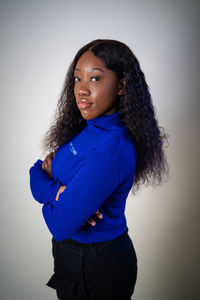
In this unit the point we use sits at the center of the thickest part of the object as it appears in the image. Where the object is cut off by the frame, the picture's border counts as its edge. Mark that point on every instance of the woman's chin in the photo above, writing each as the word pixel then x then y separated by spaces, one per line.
pixel 88 115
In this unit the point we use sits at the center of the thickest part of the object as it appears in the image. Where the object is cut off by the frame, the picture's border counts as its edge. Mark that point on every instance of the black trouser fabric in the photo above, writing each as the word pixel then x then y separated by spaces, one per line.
pixel 96 271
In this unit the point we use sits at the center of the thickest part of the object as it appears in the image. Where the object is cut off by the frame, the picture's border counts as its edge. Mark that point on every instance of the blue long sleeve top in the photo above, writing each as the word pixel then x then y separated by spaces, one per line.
pixel 97 166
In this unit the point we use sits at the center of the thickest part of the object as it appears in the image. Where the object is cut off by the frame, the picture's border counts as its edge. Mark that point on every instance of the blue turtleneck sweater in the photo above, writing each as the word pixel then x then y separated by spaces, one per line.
pixel 97 166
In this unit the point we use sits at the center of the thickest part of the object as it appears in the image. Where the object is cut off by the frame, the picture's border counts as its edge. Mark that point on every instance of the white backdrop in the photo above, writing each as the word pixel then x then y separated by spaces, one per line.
pixel 38 41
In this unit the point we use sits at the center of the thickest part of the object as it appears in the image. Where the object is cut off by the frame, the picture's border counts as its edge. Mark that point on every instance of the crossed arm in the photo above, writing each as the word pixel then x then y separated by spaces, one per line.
pixel 46 166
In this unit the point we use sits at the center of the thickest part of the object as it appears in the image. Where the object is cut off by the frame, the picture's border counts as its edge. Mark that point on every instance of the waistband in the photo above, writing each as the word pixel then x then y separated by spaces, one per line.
pixel 99 244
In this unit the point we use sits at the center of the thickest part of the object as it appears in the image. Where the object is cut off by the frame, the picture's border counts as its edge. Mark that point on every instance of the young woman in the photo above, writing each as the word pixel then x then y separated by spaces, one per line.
pixel 105 140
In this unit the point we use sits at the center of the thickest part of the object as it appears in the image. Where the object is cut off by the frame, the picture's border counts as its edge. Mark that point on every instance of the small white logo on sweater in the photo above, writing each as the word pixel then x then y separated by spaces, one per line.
pixel 72 149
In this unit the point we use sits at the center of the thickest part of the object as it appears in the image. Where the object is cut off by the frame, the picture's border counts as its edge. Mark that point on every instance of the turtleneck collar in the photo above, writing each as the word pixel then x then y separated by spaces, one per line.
pixel 109 123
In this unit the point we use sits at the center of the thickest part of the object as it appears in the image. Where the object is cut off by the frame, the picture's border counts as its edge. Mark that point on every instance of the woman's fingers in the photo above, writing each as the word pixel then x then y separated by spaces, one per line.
pixel 48 161
pixel 60 190
pixel 99 214
pixel 46 165
pixel 91 221
pixel 49 158
pixel 43 165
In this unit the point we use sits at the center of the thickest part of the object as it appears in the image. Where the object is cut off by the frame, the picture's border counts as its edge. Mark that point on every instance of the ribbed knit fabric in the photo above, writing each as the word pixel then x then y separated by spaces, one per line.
pixel 98 167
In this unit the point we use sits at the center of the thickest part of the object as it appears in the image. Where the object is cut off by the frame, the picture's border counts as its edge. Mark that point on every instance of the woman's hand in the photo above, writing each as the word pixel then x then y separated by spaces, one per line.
pixel 98 215
pixel 46 165
pixel 90 220
pixel 61 189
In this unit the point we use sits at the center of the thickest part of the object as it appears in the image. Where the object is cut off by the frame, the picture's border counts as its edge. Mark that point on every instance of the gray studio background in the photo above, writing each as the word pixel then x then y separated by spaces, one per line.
pixel 38 41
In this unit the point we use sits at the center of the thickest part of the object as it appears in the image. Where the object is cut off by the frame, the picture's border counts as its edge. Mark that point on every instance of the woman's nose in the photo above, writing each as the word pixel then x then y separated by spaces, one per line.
pixel 83 89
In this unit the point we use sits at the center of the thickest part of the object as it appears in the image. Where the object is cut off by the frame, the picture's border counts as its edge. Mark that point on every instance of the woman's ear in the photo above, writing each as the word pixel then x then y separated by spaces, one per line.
pixel 122 85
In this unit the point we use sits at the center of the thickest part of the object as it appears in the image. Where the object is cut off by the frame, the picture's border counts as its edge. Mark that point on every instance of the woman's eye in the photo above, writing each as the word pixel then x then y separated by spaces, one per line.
pixel 95 78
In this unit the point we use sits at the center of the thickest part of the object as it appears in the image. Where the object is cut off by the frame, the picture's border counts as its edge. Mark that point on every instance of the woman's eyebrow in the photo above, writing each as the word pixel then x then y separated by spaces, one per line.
pixel 93 69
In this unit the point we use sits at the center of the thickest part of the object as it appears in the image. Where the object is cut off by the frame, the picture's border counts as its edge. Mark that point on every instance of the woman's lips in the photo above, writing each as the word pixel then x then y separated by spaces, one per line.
pixel 84 104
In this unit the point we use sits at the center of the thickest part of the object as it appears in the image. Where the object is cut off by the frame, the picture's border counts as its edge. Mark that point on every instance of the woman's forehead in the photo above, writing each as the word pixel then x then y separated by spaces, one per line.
pixel 88 58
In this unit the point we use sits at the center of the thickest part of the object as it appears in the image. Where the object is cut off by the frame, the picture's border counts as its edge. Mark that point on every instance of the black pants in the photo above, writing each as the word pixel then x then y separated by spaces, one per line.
pixel 97 271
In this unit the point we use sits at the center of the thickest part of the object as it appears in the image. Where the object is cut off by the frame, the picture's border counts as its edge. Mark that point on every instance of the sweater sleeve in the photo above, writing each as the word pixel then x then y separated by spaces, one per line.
pixel 43 188
pixel 94 182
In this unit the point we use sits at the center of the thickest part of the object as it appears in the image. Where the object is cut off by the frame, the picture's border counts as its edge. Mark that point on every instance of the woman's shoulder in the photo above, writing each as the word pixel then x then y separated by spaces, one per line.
pixel 120 146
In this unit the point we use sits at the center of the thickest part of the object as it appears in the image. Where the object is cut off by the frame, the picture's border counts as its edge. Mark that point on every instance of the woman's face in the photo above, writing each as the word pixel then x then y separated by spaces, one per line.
pixel 95 87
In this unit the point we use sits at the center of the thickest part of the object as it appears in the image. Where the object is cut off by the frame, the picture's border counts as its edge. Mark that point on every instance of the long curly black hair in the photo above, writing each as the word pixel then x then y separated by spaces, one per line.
pixel 134 106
